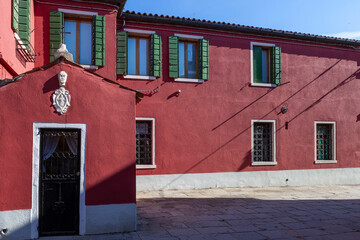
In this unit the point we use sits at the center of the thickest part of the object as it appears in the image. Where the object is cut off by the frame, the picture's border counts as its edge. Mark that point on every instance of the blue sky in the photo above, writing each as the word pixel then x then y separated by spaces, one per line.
pixel 339 18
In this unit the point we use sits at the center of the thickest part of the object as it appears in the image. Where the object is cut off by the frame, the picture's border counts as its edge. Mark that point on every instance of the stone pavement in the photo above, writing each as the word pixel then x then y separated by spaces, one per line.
pixel 315 212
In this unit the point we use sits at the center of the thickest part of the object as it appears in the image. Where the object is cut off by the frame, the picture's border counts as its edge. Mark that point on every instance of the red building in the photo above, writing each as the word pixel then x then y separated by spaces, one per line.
pixel 158 102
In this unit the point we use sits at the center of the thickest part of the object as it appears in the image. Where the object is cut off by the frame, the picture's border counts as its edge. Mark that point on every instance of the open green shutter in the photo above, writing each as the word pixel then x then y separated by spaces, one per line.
pixel 275 54
pixel 121 56
pixel 15 15
pixel 173 56
pixel 155 55
pixel 204 59
pixel 98 40
pixel 24 20
pixel 56 23
pixel 257 64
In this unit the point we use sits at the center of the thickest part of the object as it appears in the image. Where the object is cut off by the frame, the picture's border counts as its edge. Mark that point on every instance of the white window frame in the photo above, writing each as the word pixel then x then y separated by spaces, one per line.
pixel 333 123
pixel 258 44
pixel 139 32
pixel 188 37
pixel 153 165
pixel 273 122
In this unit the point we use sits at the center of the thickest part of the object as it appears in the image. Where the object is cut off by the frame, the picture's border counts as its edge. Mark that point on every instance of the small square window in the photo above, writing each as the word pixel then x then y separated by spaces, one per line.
pixel 145 143
pixel 138 55
pixel 325 142
pixel 263 142
pixel 266 65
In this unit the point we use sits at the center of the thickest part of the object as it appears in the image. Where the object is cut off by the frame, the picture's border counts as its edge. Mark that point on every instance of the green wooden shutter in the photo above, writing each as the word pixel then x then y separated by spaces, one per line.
pixel 56 22
pixel 24 20
pixel 121 56
pixel 155 55
pixel 173 56
pixel 98 58
pixel 275 61
pixel 204 59
pixel 15 15
pixel 257 64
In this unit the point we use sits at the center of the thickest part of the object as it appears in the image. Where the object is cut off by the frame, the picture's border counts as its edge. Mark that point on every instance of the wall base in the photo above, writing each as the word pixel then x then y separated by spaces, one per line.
pixel 249 179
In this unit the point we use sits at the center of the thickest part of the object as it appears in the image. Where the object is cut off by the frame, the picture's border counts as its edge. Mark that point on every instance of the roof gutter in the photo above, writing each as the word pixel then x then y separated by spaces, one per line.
pixel 241 29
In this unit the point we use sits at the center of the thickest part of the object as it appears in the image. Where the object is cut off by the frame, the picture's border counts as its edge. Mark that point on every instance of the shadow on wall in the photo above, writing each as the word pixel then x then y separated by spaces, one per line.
pixel 246 162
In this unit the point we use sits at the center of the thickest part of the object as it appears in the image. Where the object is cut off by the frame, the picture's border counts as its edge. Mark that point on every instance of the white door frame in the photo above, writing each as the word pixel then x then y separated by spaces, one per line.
pixel 35 173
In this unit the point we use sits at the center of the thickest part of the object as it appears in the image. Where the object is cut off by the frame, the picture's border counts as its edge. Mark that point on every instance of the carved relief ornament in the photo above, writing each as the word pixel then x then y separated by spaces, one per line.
pixel 61 97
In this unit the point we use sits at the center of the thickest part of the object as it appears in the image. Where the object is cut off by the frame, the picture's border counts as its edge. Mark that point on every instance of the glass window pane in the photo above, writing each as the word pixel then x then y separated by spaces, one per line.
pixel 70 38
pixel 191 55
pixel 143 58
pixel 264 66
pixel 131 56
pixel 85 42
pixel 181 59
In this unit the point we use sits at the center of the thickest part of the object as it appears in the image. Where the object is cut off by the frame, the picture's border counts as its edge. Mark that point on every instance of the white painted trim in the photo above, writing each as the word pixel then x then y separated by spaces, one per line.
pixel 34 217
pixel 90 67
pixel 185 36
pixel 189 80
pixel 77 12
pixel 333 123
pixel 307 177
pixel 252 44
pixel 141 77
pixel 273 146
pixel 152 120
pixel 130 30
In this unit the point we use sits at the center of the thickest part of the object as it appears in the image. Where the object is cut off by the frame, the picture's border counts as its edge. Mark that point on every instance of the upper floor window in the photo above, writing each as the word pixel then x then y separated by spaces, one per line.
pixel 82 32
pixel 139 54
pixel 325 142
pixel 21 19
pixel 188 58
pixel 266 64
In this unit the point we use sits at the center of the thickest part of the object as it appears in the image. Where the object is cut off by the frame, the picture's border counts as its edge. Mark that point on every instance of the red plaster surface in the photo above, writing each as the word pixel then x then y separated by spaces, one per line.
pixel 207 127
pixel 42 33
pixel 108 112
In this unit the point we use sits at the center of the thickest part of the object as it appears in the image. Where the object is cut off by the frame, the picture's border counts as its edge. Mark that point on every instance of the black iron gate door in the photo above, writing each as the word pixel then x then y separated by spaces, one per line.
pixel 59 182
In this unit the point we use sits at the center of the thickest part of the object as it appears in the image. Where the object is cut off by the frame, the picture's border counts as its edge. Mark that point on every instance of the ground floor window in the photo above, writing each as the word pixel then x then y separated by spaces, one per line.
pixel 263 142
pixel 325 140
pixel 145 143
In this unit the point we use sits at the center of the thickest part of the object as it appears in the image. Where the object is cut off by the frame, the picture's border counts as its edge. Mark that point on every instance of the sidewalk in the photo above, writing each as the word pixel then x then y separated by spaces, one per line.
pixel 316 212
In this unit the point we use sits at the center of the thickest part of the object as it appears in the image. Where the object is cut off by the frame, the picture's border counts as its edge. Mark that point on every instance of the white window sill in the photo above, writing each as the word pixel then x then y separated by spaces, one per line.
pixel 263 85
pixel 263 163
pixel 139 77
pixel 193 80
pixel 90 67
pixel 145 166
pixel 325 161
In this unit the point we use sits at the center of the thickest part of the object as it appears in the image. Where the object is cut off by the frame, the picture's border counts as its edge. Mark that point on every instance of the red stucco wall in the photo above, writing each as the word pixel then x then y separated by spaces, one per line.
pixel 108 112
pixel 8 51
pixel 42 34
pixel 207 128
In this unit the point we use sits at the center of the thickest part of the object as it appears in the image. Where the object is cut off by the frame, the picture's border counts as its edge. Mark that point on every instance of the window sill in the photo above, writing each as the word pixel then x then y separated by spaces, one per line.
pixel 90 67
pixel 192 80
pixel 325 161
pixel 263 163
pixel 143 77
pixel 145 166
pixel 263 85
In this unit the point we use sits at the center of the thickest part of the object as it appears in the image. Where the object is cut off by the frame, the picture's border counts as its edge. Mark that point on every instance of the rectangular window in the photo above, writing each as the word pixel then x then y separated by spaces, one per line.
pixel 263 142
pixel 266 65
pixel 145 143
pixel 325 142
pixel 78 38
pixel 188 59
pixel 138 55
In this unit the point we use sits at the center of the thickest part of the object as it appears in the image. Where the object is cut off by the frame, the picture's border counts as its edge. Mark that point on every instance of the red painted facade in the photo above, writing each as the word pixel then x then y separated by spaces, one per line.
pixel 207 127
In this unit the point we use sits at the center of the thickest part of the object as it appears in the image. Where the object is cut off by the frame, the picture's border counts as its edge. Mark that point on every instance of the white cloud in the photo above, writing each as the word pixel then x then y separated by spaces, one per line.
pixel 350 35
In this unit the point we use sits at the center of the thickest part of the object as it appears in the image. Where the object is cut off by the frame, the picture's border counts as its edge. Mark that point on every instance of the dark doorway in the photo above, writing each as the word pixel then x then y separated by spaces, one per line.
pixel 59 182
